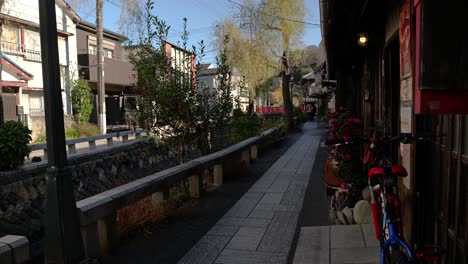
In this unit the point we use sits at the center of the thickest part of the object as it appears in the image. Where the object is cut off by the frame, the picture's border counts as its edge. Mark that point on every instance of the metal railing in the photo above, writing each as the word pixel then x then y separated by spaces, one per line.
pixel 97 213
pixel 71 143
pixel 36 111
pixel 20 49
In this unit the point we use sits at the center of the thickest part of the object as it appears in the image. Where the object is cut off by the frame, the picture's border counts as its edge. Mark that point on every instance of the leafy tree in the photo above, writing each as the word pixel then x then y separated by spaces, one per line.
pixel 81 101
pixel 215 106
pixel 170 105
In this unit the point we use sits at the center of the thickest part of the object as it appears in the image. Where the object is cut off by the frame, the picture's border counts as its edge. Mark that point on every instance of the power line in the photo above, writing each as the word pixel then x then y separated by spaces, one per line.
pixel 114 3
pixel 271 15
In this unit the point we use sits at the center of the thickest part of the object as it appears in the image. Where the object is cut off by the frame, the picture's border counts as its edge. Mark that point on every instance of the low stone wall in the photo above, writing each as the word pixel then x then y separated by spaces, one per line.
pixel 22 192
pixel 38 127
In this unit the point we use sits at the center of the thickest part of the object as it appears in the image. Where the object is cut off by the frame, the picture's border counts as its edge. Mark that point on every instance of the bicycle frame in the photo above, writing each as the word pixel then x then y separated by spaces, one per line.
pixel 393 242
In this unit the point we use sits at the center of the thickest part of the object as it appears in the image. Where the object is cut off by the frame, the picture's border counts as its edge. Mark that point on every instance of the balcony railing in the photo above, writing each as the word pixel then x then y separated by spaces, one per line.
pixel 36 111
pixel 21 50
pixel 11 47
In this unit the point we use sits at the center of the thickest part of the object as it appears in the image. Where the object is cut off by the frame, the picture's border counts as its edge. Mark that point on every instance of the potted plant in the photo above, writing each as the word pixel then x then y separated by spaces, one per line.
pixel 14 140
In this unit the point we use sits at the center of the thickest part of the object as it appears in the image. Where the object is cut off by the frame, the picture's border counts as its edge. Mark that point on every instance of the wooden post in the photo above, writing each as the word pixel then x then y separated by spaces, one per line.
pixel 253 152
pixel 107 231
pixel 245 157
pixel 194 184
pixel 159 198
pixel 125 138
pixel 71 148
pixel 218 174
pixel 90 240
pixel 110 142
pixel 92 145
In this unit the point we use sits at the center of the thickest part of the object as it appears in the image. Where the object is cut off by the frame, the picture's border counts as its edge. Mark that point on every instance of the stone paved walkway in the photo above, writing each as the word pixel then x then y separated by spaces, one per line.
pixel 260 227
pixel 351 244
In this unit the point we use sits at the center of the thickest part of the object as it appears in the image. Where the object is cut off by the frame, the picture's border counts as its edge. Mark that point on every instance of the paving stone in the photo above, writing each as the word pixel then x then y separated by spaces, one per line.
pixel 314 255
pixel 223 230
pixel 273 198
pixel 258 213
pixel 295 194
pixel 369 236
pixel 254 194
pixel 246 238
pixel 206 250
pixel 278 207
pixel 348 236
pixel 313 245
pixel 240 221
pixel 355 255
pixel 279 185
pixel 280 233
pixel 243 207
pixel 251 257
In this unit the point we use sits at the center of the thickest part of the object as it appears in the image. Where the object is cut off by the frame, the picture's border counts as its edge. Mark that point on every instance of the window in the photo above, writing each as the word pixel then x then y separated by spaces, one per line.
pixel 36 104
pixel 11 41
pixel 108 53
pixel 92 49
pixel 32 45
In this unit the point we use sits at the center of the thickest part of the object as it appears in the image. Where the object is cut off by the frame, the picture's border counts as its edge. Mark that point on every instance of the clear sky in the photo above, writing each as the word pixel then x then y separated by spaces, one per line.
pixel 202 16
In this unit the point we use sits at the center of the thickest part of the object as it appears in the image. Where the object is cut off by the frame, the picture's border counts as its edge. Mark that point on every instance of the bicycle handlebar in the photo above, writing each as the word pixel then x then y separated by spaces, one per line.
pixel 402 138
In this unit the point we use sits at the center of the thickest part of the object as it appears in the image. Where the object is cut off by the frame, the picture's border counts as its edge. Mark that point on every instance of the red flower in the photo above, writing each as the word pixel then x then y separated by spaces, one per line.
pixel 343 185
pixel 347 156
pixel 333 121
pixel 355 120
pixel 346 137
pixel 331 138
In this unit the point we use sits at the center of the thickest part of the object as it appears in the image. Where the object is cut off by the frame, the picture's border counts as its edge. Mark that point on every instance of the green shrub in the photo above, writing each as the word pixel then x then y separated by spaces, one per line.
pixel 299 115
pixel 81 101
pixel 71 133
pixel 14 140
pixel 40 139
pixel 244 126
pixel 87 130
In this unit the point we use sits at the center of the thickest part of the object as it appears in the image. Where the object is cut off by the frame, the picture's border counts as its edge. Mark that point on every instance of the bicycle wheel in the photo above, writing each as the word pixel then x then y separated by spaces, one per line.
pixel 397 257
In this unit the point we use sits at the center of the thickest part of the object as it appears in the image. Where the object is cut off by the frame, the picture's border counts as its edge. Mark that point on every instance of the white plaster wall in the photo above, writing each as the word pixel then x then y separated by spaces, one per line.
pixel 8 77
pixel 29 10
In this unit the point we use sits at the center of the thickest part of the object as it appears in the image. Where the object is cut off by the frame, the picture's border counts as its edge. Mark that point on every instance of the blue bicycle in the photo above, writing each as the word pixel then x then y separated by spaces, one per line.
pixel 383 177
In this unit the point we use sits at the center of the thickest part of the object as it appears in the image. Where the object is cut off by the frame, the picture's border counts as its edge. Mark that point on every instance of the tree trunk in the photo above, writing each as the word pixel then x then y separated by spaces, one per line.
pixel 100 68
pixel 1 69
pixel 286 77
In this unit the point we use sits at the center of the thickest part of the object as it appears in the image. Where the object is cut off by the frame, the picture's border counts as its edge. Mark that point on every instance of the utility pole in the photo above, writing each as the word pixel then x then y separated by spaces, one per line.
pixel 1 68
pixel 100 68
pixel 63 243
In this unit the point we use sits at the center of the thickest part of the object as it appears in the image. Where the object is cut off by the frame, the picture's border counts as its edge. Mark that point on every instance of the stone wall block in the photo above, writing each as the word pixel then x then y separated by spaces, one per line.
pixel 22 202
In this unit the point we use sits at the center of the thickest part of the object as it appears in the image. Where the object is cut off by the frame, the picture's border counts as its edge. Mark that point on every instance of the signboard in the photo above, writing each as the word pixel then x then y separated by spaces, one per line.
pixel 406 90
pixel 405 152
pixel 406 120
pixel 269 109
pixel 307 100
pixel 405 41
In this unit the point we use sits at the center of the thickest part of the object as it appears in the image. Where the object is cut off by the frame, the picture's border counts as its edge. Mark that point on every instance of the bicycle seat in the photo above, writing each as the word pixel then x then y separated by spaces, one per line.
pixel 376 171
pixel 399 170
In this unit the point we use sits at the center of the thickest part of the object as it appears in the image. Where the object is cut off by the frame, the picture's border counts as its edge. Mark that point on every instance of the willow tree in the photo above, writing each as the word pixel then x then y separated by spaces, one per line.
pixel 283 25
pixel 247 51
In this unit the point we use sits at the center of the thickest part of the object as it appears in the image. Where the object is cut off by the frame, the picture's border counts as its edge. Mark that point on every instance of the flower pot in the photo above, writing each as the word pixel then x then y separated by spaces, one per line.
pixel 331 174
